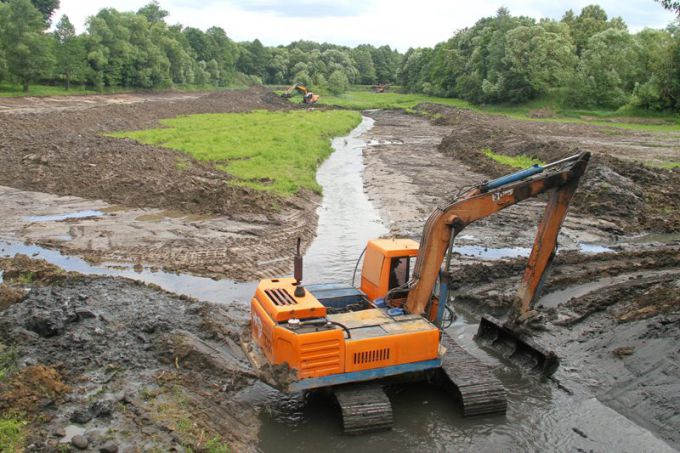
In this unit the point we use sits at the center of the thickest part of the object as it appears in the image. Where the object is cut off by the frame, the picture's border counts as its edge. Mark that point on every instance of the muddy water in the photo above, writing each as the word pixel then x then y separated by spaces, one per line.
pixel 347 220
pixel 218 291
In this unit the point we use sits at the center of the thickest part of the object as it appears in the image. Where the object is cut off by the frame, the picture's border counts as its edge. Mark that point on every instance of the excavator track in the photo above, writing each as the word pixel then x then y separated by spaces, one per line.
pixel 365 408
pixel 481 393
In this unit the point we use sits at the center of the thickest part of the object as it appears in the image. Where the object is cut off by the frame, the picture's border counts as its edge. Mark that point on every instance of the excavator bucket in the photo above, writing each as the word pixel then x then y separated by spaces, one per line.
pixel 517 347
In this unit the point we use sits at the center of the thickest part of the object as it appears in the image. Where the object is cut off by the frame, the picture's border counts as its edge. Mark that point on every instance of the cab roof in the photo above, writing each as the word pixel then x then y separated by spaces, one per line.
pixel 395 247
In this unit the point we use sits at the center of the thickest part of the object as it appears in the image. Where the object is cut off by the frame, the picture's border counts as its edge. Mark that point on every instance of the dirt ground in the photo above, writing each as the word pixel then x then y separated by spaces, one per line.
pixel 122 365
pixel 178 217
pixel 619 185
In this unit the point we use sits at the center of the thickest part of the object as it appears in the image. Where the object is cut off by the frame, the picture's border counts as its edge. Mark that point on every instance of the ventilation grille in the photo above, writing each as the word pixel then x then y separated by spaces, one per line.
pixel 320 358
pixel 376 355
pixel 280 296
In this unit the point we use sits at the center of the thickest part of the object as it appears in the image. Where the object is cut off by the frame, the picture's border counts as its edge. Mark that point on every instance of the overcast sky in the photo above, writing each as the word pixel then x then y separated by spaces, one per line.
pixel 400 24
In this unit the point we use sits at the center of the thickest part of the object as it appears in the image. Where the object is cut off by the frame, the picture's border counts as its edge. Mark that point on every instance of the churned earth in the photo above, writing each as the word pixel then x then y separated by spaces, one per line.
pixel 111 363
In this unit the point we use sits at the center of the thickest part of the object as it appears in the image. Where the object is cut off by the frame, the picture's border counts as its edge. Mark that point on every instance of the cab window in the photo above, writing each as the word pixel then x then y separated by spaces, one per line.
pixel 400 271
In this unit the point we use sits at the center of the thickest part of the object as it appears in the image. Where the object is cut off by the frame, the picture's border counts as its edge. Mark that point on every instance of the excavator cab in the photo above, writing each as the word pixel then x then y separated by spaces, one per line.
pixel 387 268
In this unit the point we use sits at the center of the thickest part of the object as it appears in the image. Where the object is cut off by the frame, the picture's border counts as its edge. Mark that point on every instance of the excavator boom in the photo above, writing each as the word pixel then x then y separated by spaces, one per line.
pixel 559 180
pixel 448 221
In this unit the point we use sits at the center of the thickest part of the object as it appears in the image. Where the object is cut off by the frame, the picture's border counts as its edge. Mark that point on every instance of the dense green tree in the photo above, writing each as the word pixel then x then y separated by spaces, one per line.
pixel 672 5
pixel 133 58
pixel 46 8
pixel 542 59
pixel 153 12
pixel 338 82
pixel 386 62
pixel 225 53
pixel 607 72
pixel 591 20
pixel 303 77
pixel 28 50
pixel 69 52
pixel 661 66
pixel 253 58
pixel 364 64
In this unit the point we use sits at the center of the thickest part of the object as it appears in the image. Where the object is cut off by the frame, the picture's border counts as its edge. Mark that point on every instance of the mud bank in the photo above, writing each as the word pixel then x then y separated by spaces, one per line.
pixel 121 364
pixel 620 186
pixel 407 177
pixel 241 247
pixel 63 152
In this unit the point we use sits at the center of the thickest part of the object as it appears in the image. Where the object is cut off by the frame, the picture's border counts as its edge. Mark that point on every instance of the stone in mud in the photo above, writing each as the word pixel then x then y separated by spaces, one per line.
pixel 623 351
pixel 80 442
pixel 85 313
pixel 81 416
pixel 102 408
pixel 109 447
pixel 9 295
pixel 46 323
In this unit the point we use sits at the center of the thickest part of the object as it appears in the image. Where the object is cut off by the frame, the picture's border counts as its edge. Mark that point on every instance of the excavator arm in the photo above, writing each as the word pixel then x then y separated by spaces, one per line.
pixel 307 96
pixel 559 180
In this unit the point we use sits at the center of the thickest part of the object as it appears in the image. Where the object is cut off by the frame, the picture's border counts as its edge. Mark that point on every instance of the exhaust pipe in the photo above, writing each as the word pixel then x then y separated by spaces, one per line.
pixel 516 347
pixel 297 271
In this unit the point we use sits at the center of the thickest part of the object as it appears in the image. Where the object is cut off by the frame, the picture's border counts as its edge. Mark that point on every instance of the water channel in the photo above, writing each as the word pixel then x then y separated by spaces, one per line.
pixel 541 415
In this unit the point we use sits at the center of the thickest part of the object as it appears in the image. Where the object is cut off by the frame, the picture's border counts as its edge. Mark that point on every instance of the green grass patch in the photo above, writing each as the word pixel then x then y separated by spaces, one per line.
pixel 666 165
pixel 15 90
pixel 364 100
pixel 623 118
pixel 270 151
pixel 12 434
pixel 521 161
pixel 8 361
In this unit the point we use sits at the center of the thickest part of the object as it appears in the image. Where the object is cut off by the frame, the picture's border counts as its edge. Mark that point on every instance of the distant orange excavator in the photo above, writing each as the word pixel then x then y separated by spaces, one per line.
pixel 352 341
pixel 307 96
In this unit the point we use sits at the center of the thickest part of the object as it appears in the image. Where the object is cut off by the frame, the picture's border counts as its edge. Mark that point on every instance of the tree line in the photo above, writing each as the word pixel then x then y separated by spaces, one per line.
pixel 585 60
pixel 140 50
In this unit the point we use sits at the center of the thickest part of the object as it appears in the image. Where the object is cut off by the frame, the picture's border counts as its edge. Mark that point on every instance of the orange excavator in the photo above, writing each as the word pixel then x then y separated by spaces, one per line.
pixel 352 341
pixel 307 96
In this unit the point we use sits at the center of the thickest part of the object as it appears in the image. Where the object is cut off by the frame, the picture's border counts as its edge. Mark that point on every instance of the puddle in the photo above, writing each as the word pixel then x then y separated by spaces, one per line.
pixel 218 291
pixel 654 238
pixel 490 254
pixel 384 142
pixel 588 248
pixel 556 298
pixel 58 217
pixel 70 432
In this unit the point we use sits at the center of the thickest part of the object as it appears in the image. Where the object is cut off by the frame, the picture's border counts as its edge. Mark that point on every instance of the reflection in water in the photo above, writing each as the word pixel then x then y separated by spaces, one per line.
pixel 58 217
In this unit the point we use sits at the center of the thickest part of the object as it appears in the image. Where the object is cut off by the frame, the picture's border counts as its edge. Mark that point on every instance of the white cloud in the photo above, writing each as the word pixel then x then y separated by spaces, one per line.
pixel 398 24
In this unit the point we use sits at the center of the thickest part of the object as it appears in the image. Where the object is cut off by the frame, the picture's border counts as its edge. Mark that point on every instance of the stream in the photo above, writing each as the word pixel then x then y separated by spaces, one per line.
pixel 541 415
